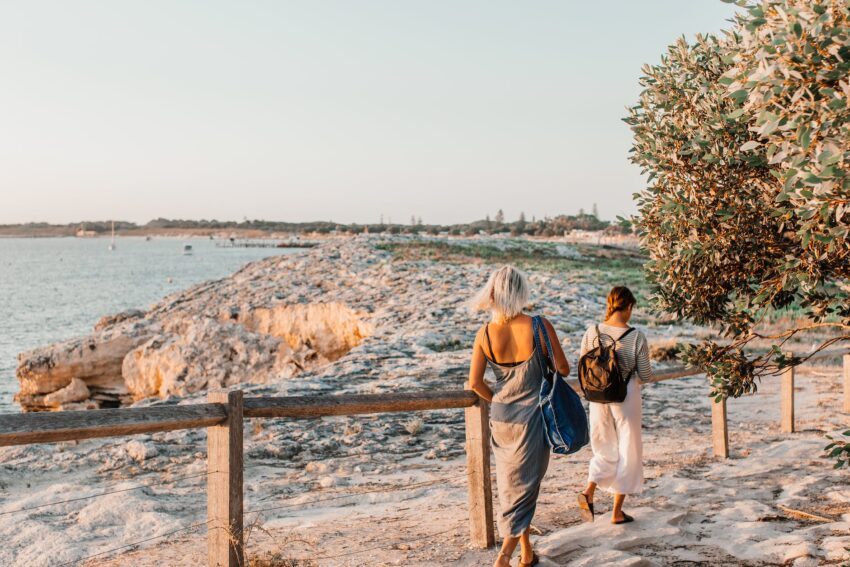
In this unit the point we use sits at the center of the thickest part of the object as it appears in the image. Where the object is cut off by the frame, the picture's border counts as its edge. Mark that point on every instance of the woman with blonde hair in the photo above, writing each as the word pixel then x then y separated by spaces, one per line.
pixel 615 437
pixel 506 344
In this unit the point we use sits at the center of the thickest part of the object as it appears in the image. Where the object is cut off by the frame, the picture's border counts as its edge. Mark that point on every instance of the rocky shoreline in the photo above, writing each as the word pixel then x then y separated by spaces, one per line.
pixel 285 316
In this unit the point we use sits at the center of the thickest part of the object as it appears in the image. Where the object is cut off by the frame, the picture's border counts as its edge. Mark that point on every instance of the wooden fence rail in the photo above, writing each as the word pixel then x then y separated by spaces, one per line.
pixel 224 413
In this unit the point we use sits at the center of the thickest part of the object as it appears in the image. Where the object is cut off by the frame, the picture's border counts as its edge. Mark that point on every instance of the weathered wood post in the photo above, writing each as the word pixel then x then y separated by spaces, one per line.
pixel 224 484
pixel 477 419
pixel 847 383
pixel 719 429
pixel 786 402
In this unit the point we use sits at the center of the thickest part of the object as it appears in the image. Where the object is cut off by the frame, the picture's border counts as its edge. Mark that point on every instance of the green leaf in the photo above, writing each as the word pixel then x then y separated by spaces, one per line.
pixel 739 96
pixel 805 137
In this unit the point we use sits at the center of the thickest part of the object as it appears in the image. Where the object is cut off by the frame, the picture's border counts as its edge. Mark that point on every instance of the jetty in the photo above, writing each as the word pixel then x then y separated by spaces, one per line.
pixel 262 243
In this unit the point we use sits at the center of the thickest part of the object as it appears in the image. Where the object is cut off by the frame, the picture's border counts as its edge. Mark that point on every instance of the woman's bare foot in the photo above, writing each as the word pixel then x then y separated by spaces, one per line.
pixel 502 561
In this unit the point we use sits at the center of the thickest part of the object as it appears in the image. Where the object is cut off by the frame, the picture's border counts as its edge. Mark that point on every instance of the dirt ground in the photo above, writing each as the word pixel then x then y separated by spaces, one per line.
pixel 695 509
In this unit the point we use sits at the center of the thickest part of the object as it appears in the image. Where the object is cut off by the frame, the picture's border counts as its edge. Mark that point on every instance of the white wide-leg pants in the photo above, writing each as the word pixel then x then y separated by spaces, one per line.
pixel 617 463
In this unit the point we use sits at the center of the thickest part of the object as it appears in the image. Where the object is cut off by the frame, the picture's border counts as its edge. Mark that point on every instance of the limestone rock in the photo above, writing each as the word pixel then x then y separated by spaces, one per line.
pixel 95 360
pixel 112 320
pixel 327 329
pixel 76 391
pixel 140 452
pixel 198 354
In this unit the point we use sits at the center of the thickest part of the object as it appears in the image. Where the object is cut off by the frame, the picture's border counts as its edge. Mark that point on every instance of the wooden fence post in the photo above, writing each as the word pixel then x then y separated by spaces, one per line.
pixel 477 419
pixel 847 383
pixel 224 484
pixel 786 402
pixel 719 429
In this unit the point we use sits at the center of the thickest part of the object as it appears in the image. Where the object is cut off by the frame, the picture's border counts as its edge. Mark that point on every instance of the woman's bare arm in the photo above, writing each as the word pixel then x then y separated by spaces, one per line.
pixel 561 363
pixel 476 371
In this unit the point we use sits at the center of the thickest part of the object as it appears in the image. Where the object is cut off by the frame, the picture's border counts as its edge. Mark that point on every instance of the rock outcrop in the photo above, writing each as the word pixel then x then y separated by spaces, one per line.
pixel 95 361
pixel 201 353
pixel 325 331
pixel 242 329
pixel 346 316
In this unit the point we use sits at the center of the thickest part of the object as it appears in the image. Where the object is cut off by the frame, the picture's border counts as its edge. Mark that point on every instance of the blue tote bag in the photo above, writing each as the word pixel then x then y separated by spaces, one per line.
pixel 564 418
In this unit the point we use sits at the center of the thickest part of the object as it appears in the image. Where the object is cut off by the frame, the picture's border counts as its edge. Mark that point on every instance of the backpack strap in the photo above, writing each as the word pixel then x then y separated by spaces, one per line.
pixel 629 375
pixel 550 359
pixel 489 345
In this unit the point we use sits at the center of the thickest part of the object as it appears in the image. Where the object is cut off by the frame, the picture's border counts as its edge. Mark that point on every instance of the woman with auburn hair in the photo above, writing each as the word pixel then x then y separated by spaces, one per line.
pixel 506 344
pixel 615 437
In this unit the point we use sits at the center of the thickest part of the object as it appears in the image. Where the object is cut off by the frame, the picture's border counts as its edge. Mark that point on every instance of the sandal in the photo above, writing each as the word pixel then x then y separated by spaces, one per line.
pixel 585 507
pixel 534 561
pixel 626 519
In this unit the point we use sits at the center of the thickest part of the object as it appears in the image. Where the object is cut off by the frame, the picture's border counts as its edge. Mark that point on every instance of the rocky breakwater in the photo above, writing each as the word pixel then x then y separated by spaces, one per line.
pixel 243 329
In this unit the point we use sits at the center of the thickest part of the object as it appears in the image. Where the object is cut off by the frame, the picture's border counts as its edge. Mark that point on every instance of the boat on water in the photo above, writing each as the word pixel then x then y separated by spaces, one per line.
pixel 112 243
pixel 187 249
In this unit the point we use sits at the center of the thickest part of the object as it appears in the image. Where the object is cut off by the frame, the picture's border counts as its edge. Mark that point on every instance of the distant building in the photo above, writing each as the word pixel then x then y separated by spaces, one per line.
pixel 83 233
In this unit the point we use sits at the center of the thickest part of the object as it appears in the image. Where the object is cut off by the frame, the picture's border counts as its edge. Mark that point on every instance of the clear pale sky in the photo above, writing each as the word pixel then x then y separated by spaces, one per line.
pixel 325 110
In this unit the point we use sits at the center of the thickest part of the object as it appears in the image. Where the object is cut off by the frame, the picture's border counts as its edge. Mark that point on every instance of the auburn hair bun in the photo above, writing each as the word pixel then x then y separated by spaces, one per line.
pixel 620 298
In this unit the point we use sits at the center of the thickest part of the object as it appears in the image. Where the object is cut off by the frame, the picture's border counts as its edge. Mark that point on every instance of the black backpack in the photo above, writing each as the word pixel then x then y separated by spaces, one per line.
pixel 599 374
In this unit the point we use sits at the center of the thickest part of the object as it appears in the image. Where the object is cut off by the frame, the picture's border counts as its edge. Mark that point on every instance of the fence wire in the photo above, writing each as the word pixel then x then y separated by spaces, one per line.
pixel 107 493
pixel 134 544
pixel 393 488
pixel 187 529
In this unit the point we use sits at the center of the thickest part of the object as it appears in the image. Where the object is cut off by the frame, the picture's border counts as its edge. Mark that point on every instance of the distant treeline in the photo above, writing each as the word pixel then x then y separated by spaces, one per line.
pixel 549 226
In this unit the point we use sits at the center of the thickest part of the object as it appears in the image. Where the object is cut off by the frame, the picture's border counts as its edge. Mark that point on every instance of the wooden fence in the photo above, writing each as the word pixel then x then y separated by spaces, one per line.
pixel 223 417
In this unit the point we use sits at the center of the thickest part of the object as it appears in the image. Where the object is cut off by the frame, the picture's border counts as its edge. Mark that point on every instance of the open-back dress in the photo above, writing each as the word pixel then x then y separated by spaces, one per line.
pixel 518 438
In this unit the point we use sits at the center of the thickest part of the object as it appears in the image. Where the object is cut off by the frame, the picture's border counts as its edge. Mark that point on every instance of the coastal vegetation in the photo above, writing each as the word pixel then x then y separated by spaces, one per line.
pixel 549 226
pixel 605 265
pixel 745 138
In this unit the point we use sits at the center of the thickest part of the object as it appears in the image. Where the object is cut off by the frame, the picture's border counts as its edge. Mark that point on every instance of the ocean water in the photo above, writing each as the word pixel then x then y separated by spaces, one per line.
pixel 52 289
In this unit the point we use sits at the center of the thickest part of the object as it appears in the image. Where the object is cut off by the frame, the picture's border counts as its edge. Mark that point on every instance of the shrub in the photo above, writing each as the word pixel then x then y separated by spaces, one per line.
pixel 745 139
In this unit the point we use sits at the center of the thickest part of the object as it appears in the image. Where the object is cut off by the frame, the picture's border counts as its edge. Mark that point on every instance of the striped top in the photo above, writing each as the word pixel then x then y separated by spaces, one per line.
pixel 633 348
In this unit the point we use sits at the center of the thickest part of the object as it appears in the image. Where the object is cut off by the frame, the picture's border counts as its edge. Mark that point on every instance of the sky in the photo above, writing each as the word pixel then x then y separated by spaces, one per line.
pixel 325 110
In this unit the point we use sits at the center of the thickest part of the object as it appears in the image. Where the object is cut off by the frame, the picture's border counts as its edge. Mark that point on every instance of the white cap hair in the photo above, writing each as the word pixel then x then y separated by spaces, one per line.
pixel 505 295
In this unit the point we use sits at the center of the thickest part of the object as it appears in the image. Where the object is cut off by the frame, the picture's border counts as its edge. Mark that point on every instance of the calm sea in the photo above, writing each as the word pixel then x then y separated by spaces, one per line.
pixel 53 289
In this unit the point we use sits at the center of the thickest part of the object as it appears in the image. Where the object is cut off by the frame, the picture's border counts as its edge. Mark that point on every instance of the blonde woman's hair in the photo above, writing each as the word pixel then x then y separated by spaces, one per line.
pixel 619 299
pixel 505 295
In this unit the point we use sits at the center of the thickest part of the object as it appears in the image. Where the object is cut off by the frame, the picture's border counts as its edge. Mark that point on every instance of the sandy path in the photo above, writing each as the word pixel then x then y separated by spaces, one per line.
pixel 695 510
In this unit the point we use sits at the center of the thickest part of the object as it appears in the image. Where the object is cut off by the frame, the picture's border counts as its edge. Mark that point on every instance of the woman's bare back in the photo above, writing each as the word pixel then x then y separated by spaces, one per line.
pixel 511 342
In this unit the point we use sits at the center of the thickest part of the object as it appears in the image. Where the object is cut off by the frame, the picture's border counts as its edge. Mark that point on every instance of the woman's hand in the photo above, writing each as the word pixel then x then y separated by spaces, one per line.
pixel 476 371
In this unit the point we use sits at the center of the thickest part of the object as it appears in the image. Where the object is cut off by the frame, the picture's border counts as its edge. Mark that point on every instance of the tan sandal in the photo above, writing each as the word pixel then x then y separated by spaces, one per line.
pixel 585 507
pixel 534 561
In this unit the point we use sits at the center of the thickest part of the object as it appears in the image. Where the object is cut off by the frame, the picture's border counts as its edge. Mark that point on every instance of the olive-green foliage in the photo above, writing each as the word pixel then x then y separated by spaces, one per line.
pixel 745 139
pixel 606 266
pixel 839 449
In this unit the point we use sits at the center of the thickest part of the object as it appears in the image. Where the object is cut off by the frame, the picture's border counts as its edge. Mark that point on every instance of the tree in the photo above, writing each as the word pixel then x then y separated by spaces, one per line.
pixel 500 217
pixel 581 212
pixel 520 224
pixel 744 139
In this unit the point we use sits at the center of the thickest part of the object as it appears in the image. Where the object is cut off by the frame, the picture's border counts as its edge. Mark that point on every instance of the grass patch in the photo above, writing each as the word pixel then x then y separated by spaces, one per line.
pixel 603 265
